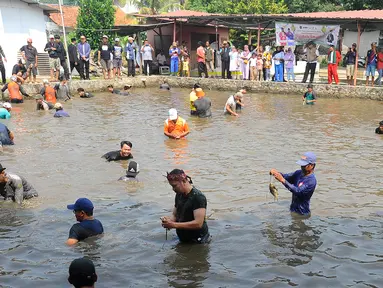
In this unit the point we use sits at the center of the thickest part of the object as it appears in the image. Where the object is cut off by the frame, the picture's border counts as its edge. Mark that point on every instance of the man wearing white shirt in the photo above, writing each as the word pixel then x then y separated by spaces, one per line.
pixel 161 59
pixel 147 56
pixel 311 65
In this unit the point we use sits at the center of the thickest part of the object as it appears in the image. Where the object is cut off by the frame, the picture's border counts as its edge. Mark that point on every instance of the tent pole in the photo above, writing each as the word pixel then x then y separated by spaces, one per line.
pixel 249 38
pixel 259 37
pixel 65 43
pixel 357 54
pixel 139 50
pixel 174 30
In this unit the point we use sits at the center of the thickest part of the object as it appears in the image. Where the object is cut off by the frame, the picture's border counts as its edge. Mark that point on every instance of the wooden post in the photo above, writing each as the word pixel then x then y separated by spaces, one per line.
pixel 180 33
pixel 139 50
pixel 249 38
pixel 357 54
pixel 259 37
pixel 174 30
pixel 161 40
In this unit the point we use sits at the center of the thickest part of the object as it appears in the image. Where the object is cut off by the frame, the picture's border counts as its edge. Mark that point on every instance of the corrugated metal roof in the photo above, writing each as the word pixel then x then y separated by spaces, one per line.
pixel 356 14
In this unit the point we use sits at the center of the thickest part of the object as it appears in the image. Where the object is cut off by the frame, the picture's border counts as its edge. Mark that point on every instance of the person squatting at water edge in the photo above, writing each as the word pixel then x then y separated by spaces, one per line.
pixel 310 96
pixel 175 127
pixel 88 226
pixel 42 104
pixel 300 183
pixel 15 187
pixel 123 154
pixel 379 130
pixel 131 172
pixel 82 273
pixel 231 104
pixel 189 212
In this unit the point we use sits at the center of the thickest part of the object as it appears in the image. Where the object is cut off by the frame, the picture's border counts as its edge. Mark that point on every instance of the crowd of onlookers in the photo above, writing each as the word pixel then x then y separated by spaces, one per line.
pixel 249 63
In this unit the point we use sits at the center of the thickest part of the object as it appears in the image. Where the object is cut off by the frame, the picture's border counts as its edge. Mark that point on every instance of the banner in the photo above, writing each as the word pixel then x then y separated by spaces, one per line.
pixel 292 34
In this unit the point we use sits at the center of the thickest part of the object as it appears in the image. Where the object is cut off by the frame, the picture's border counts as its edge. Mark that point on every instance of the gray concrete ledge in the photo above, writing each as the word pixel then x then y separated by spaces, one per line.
pixel 323 90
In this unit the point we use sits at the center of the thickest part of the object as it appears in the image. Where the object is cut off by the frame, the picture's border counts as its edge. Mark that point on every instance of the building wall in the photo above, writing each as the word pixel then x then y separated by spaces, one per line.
pixel 18 21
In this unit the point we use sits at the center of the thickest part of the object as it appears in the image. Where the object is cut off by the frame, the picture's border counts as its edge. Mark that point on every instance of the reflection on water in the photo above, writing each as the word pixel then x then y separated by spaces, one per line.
pixel 255 243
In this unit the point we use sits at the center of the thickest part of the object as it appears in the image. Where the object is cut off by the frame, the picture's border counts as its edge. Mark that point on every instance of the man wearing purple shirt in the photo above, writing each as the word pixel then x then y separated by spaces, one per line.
pixel 83 49
pixel 300 183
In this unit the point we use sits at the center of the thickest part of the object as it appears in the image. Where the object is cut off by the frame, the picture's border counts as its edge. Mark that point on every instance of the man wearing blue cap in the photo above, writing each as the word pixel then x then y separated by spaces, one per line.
pixel 300 183
pixel 88 226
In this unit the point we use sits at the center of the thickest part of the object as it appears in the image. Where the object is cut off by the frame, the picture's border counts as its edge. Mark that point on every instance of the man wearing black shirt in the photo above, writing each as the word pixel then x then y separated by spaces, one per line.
pixel 63 56
pixel 123 154
pixel 53 50
pixel 104 60
pixel 19 67
pixel 88 226
pixel 379 130
pixel 74 62
pixel 189 211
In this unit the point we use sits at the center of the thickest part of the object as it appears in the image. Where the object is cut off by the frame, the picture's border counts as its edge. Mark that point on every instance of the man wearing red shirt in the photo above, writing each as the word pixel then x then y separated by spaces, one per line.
pixel 380 66
pixel 201 59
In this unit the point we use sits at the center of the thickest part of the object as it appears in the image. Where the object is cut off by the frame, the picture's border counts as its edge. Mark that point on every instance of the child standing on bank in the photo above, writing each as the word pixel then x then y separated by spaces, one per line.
pixel 253 67
pixel 267 62
pixel 185 67
pixel 259 68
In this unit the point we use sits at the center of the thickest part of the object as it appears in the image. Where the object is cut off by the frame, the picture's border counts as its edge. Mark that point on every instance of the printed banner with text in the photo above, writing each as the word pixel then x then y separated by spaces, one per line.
pixel 292 34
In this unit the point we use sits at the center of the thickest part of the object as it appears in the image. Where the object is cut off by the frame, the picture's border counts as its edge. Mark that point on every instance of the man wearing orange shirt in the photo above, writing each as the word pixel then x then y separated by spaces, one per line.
pixel 175 127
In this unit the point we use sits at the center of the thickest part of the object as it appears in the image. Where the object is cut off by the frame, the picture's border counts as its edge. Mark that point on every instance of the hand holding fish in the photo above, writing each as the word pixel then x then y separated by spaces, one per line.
pixel 278 176
pixel 167 222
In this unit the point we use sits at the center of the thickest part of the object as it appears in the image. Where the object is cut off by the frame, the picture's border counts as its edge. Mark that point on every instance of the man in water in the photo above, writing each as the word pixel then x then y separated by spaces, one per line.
pixel 82 273
pixel 131 172
pixel 165 86
pixel 15 187
pixel 48 92
pixel 62 90
pixel 6 136
pixel 15 91
pixel 175 127
pixel 60 111
pixel 193 97
pixel 83 94
pixel 118 92
pixel 42 104
pixel 5 112
pixel 232 102
pixel 240 104
pixel 379 130
pixel 310 96
pixel 88 226
pixel 123 154
pixel 300 183
pixel 189 211
pixel 202 104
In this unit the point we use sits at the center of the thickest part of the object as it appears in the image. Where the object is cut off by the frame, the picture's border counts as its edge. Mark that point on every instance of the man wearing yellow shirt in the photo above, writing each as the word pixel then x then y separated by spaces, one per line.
pixel 193 97
pixel 175 127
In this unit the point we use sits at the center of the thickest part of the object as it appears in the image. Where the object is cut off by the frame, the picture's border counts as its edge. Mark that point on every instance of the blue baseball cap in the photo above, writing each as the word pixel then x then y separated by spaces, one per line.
pixel 307 158
pixel 82 204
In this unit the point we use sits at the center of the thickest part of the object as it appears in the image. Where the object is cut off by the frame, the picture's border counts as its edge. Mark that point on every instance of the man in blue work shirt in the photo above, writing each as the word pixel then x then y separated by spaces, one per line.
pixel 88 226
pixel 300 183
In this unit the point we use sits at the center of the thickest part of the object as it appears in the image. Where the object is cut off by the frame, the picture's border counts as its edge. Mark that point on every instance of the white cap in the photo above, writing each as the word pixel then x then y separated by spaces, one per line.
pixel 13 78
pixel 58 105
pixel 7 105
pixel 117 40
pixel 104 36
pixel 45 81
pixel 173 115
pixel 51 36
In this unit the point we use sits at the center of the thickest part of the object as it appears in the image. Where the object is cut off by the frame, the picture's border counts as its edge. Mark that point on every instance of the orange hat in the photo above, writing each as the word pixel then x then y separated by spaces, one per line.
pixel 199 92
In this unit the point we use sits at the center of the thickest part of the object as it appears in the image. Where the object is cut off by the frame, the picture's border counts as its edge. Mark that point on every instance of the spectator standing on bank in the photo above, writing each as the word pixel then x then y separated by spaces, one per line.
pixel 130 56
pixel 312 59
pixel 117 58
pixel 371 61
pixel 83 49
pixel 290 60
pixel 74 61
pixel 53 50
pixel 234 63
pixel 380 66
pixel 174 53
pixel 225 60
pixel 253 67
pixel 333 59
pixel 244 62
pixel 104 57
pixel 350 64
pixel 63 56
pixel 147 57
pixel 2 67
pixel 209 57
pixel 267 62
pixel 201 59
pixel 29 54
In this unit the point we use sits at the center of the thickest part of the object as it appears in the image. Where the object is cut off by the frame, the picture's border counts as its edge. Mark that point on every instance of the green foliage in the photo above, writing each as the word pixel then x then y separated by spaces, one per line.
pixel 157 6
pixel 95 18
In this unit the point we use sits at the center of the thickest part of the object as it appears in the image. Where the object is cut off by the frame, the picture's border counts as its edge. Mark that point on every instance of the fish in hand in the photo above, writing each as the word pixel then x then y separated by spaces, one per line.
pixel 274 191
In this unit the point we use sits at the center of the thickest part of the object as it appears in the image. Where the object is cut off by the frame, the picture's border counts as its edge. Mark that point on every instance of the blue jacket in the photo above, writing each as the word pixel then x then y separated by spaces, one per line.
pixel 302 187
pixel 4 135
pixel 83 50
pixel 129 49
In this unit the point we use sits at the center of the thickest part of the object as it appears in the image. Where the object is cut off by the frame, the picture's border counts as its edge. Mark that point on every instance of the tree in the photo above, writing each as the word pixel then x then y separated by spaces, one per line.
pixel 95 18
pixel 362 4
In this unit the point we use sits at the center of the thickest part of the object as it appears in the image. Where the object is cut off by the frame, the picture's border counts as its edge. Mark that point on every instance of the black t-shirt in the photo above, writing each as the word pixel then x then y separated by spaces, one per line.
pixel 378 131
pixel 87 95
pixel 16 69
pixel 85 229
pixel 116 156
pixel 105 49
pixel 203 107
pixel 185 206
